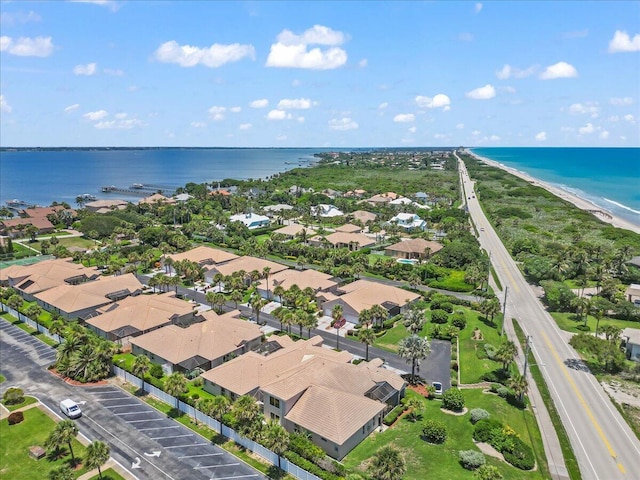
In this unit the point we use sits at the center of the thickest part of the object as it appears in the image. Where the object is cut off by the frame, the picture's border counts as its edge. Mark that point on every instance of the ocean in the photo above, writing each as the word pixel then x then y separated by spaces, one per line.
pixel 43 176
pixel 607 177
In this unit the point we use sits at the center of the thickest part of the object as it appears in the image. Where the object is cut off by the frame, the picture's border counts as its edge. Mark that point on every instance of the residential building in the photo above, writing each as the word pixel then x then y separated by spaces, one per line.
pixel 326 211
pixel 317 281
pixel 409 222
pixel 106 206
pixel 631 338
pixel 633 294
pixel 206 257
pixel 134 316
pixel 251 220
pixel 349 228
pixel 245 264
pixel 37 216
pixel 363 216
pixel 352 241
pixel 293 230
pixel 157 198
pixel 413 248
pixel 382 198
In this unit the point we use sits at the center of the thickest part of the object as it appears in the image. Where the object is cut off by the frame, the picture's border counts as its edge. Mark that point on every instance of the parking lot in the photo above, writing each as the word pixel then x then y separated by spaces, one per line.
pixel 39 352
pixel 203 458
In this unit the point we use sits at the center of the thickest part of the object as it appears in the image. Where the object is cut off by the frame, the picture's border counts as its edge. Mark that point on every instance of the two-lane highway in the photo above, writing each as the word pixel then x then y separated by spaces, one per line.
pixel 604 445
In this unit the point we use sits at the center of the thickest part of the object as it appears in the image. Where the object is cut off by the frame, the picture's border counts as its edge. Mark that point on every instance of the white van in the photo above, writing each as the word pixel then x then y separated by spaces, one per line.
pixel 70 408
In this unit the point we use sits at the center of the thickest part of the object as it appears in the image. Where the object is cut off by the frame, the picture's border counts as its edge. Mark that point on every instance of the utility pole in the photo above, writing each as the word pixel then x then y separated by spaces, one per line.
pixel 504 310
pixel 526 362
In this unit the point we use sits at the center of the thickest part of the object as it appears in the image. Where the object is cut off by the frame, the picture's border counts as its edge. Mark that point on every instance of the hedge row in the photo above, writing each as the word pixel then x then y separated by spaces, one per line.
pixel 309 466
pixel 393 415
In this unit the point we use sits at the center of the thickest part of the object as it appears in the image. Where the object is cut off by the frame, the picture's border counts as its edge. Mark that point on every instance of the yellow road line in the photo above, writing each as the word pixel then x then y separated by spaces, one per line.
pixel 514 285
pixel 582 401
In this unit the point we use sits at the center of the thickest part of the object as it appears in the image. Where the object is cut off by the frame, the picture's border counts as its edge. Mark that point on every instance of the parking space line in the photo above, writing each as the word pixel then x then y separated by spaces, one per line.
pixel 107 392
pixel 122 405
pixel 189 445
pixel 237 476
pixel 147 420
pixel 216 466
pixel 113 398
pixel 202 455
pixel 172 436
pixel 159 428
pixel 131 413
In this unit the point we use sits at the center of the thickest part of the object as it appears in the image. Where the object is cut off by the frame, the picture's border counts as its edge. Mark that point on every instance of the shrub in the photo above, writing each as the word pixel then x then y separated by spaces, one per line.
pixel 304 447
pixel 519 454
pixel 393 415
pixel 503 392
pixel 447 307
pixel 488 472
pixel 454 353
pixel 309 466
pixel 471 459
pixel 478 414
pixel 458 320
pixel 483 429
pixel 156 371
pixel 453 399
pixel 454 383
pixel 13 396
pixel 454 365
pixel 490 350
pixel 583 328
pixel 494 387
pixel 198 381
pixel 434 431
pixel 388 323
pixel 439 316
pixel 15 417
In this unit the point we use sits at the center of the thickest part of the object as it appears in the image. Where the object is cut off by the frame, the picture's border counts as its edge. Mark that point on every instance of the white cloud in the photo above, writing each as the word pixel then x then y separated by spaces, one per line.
pixel 300 119
pixel 475 133
pixel 482 93
pixel 198 124
pixel 404 118
pixel 629 118
pixel 281 138
pixel 440 136
pixel 95 116
pixel 19 17
pixel 604 135
pixel 235 109
pixel 587 129
pixel 217 113
pixel 589 108
pixel 622 42
pixel 613 118
pixel 412 129
pixel 295 104
pixel 296 83
pixel 120 115
pixel 111 4
pixel 88 69
pixel 27 47
pixel 460 126
pixel 541 137
pixel 439 101
pixel 262 103
pixel 278 115
pixel 478 7
pixel 507 71
pixel 383 105
pixel 71 108
pixel 127 124
pixel 559 70
pixel 4 106
pixel 465 37
pixel 342 124
pixel 363 63
pixel 214 56
pixel 494 138
pixel 245 126
pixel 618 102
pixel 292 51
pixel 113 72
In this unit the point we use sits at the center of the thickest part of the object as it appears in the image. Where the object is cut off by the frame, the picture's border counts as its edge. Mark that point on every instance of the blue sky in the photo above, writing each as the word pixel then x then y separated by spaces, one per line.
pixel 334 74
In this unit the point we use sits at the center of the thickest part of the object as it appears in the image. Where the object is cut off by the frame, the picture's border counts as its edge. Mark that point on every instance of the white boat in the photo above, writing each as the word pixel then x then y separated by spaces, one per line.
pixel 137 185
pixel 16 203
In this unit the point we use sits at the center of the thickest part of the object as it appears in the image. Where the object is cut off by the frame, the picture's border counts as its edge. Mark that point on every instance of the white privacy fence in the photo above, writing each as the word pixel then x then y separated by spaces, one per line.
pixel 214 424
pixel 31 323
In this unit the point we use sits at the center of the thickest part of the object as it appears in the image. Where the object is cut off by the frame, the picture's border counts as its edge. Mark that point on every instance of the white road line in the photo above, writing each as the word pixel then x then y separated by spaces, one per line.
pixel 107 392
pixel 123 405
pixel 189 445
pixel 147 420
pixel 237 476
pixel 131 413
pixel 172 436
pixel 114 398
pixel 158 428
pixel 216 466
pixel 202 455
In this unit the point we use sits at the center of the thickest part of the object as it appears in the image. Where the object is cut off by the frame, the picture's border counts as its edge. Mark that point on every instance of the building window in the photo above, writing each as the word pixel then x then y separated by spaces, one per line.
pixel 274 417
pixel 274 402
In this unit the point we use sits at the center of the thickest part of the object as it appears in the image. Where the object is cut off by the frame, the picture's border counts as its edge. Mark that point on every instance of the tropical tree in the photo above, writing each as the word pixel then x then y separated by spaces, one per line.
pixel 219 301
pixel 611 333
pixel 210 298
pixel 368 337
pixel 414 319
pixel 505 354
pixel 236 297
pixel 490 307
pixel 414 405
pixel 63 434
pixel 141 366
pixel 414 349
pixel 336 315
pixel 257 304
pixel 246 411
pixel 387 464
pixel 220 405
pixel 378 314
pixel 15 302
pixel 266 271
pixel 276 439
pixel 518 383
pixel 62 473
pixel 97 455
pixel 175 385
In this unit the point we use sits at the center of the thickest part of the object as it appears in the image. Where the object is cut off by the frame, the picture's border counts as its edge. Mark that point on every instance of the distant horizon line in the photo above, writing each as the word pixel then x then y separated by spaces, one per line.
pixel 443 147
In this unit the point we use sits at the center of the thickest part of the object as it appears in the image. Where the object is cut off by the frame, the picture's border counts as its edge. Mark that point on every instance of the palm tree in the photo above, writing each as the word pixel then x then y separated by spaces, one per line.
pixel 490 307
pixel 64 433
pixel 61 473
pixel 236 297
pixel 210 298
pixel 265 274
pixel 414 320
pixel 246 410
pixel 97 455
pixel 336 314
pixel 257 303
pixel 378 314
pixel 368 337
pixel 141 366
pixel 175 385
pixel 278 291
pixel 219 300
pixel 219 407
pixel 505 354
pixel 414 349
pixel 414 405
pixel 518 383
pixel 57 328
pixel 387 464
pixel 276 439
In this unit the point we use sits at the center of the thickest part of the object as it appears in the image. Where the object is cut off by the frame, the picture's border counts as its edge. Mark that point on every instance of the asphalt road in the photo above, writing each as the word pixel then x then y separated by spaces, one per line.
pixel 604 445
pixel 143 440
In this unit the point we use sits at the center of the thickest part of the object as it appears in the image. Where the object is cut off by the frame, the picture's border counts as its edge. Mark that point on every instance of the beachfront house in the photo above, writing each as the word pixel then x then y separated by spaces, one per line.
pixel 409 222
pixel 326 211
pixel 415 248
pixel 251 220
pixel 352 241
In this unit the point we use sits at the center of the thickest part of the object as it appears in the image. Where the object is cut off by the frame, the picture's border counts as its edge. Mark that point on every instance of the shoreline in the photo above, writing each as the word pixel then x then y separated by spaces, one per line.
pixel 583 204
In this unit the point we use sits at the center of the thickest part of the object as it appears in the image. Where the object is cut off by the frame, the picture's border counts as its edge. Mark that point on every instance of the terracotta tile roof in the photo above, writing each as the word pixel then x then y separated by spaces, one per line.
pixel 249 264
pixel 217 336
pixel 332 414
pixel 157 198
pixel 303 279
pixel 363 216
pixel 204 255
pixel 73 298
pixel 344 238
pixel 41 223
pixel 294 229
pixel 140 313
pixel 363 294
pixel 383 197
pixel 415 245
pixel 98 204
pixel 349 228
pixel 44 275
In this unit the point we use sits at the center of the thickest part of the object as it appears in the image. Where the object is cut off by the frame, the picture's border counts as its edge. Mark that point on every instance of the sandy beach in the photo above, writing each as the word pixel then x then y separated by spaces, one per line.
pixel 581 203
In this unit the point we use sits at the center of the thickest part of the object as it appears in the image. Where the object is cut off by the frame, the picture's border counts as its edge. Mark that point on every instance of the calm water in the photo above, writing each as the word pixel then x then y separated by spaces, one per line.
pixel 41 177
pixel 608 177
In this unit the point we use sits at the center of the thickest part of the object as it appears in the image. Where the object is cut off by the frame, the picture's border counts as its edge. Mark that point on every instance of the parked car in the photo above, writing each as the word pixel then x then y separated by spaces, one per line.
pixel 70 408
pixel 438 387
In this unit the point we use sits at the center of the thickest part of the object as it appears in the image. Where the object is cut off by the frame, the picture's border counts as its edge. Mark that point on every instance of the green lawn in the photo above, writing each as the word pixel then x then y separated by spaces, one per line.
pixel 569 322
pixel 109 474
pixel 27 401
pixel 441 461
pixel 16 440
pixel 2 378
pixel 472 367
